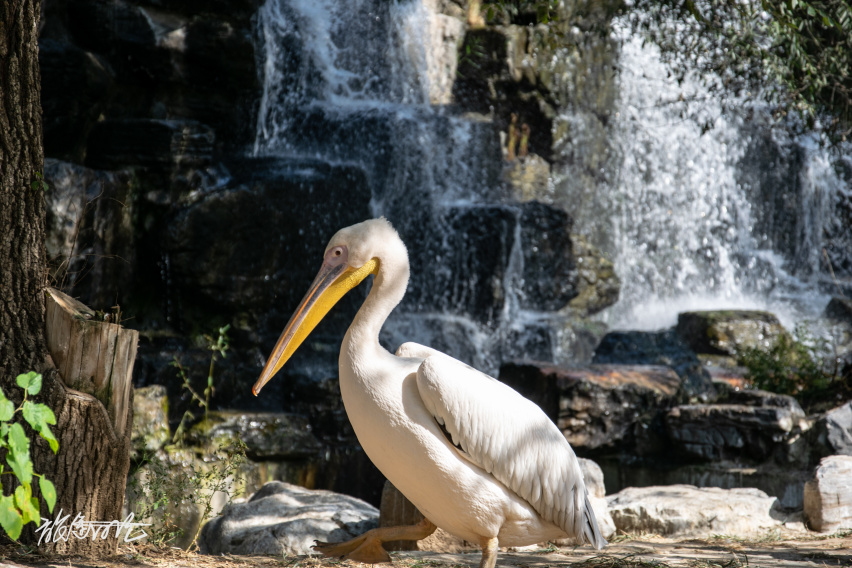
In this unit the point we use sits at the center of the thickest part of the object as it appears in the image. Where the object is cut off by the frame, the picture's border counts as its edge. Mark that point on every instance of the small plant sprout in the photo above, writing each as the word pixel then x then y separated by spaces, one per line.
pixel 22 507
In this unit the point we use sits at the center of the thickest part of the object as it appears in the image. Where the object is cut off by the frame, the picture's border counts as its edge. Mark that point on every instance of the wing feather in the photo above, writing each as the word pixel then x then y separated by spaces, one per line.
pixel 508 436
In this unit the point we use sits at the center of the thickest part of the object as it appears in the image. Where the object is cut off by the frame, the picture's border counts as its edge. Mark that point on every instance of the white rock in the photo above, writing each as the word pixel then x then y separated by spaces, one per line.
pixel 828 496
pixel 286 519
pixel 686 510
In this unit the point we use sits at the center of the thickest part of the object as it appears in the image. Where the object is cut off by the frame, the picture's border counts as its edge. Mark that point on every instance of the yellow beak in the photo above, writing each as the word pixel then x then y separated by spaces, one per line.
pixel 328 287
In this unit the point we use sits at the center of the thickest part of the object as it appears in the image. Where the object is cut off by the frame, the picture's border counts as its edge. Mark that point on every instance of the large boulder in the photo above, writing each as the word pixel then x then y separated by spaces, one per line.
pixel 686 511
pixel 599 406
pixel 283 519
pixel 729 331
pixel 832 432
pixel 743 432
pixel 828 496
pixel 658 348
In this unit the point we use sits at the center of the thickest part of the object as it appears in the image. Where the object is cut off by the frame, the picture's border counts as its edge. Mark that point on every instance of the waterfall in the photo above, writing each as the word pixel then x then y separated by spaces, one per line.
pixel 708 210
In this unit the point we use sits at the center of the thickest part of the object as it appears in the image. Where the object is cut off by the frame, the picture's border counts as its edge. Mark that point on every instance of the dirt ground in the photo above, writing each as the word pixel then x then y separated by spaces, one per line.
pixel 625 552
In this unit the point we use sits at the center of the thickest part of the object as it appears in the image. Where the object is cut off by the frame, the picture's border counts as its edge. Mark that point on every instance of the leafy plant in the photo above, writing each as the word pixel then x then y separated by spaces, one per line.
pixel 164 486
pixel 22 507
pixel 803 366
pixel 39 183
pixel 218 345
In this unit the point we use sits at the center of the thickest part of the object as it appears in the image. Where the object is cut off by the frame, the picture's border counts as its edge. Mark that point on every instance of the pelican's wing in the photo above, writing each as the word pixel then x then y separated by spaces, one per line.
pixel 510 437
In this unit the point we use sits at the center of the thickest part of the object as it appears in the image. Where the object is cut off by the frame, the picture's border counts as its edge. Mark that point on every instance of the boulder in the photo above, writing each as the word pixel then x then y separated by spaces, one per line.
pixel 736 431
pixel 658 348
pixel 550 275
pixel 828 496
pixel 728 332
pixel 283 519
pixel 832 432
pixel 150 419
pixel 680 511
pixel 599 406
pixel 267 435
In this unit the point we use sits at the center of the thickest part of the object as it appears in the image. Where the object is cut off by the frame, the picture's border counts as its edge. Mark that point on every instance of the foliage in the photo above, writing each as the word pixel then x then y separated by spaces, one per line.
pixel 795 54
pixel 802 366
pixel 39 183
pixel 218 345
pixel 164 487
pixel 22 507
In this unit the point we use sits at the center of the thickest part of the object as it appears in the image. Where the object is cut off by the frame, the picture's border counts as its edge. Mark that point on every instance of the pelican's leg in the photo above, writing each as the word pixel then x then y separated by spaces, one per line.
pixel 489 552
pixel 367 548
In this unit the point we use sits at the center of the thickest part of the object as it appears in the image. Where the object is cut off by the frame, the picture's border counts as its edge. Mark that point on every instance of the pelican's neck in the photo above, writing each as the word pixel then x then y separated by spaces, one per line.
pixel 361 342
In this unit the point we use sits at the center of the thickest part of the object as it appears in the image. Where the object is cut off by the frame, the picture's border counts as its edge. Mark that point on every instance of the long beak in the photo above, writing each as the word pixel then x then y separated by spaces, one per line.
pixel 328 287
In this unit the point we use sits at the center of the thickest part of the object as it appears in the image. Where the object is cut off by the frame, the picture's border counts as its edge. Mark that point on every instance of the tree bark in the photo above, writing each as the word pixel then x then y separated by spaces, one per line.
pixel 90 470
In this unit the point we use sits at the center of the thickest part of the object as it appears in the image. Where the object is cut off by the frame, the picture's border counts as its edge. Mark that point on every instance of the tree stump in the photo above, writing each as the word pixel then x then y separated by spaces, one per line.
pixel 94 417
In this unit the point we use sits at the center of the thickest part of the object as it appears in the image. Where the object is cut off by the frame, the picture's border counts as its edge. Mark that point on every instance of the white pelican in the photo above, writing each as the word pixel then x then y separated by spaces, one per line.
pixel 475 457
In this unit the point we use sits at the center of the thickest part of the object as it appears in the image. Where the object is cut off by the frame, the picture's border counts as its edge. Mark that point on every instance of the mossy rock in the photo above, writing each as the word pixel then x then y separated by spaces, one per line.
pixel 150 419
pixel 726 332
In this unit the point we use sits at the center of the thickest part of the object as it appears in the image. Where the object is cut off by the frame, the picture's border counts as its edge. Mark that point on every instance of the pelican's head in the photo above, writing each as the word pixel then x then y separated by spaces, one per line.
pixel 351 255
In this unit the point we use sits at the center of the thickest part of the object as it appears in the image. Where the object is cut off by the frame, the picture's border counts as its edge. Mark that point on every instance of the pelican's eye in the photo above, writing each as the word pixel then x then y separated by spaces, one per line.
pixel 337 255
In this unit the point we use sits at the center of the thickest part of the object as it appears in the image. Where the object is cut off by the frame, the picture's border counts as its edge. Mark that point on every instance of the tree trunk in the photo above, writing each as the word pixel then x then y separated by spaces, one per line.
pixel 91 467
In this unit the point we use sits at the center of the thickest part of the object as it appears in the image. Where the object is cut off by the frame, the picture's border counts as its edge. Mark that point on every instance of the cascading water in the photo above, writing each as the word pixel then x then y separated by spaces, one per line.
pixel 356 83
pixel 727 217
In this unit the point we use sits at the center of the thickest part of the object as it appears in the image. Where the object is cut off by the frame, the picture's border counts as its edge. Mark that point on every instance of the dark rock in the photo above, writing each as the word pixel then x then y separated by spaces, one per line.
pixel 764 399
pixel 149 142
pixel 89 233
pixel 282 519
pixel 76 87
pixel 737 432
pixel 240 253
pixel 657 348
pixel 267 435
pixel 839 309
pixel 728 332
pixel 596 407
pixel 550 276
pixel 832 432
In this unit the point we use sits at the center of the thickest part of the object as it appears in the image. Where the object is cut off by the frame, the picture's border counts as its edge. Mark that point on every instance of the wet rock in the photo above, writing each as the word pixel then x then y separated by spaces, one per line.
pixel 727 332
pixel 599 406
pixel 165 144
pixel 686 511
pixel 828 496
pixel 550 276
pixel 737 431
pixel 240 253
pixel 598 286
pixel 267 435
pixel 839 309
pixel 286 519
pixel 838 312
pixel 657 348
pixel 150 419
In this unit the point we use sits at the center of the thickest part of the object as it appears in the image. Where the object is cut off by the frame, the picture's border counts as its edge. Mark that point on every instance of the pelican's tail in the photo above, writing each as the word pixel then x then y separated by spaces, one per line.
pixel 591 530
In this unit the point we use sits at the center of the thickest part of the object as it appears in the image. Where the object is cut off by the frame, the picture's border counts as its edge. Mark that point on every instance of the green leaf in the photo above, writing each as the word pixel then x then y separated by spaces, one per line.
pixel 22 466
pixel 48 492
pixel 18 440
pixel 31 382
pixel 24 502
pixel 47 434
pixel 38 415
pixel 10 517
pixel 7 408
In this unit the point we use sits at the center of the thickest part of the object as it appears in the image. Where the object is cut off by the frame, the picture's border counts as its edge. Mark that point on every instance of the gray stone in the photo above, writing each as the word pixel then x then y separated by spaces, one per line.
pixel 598 406
pixel 286 519
pixel 828 496
pixel 727 332
pixel 734 431
pixel 150 419
pixel 832 432
pixel 598 286
pixel 267 435
pixel 687 511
